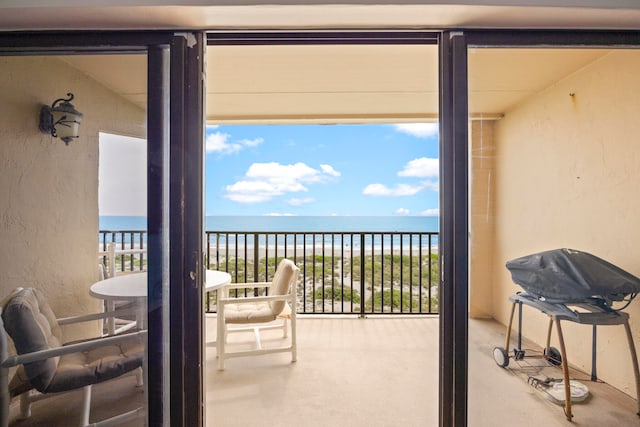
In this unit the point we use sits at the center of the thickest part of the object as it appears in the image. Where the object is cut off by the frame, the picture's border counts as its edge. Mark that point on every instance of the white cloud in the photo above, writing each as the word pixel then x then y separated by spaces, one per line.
pixel 402 211
pixel 246 198
pixel 329 170
pixel 430 212
pixel 422 167
pixel 260 191
pixel 300 202
pixel 265 181
pixel 275 172
pixel 279 214
pixel 381 190
pixel 252 142
pixel 219 142
pixel 399 190
pixel 419 130
pixel 243 192
pixel 431 185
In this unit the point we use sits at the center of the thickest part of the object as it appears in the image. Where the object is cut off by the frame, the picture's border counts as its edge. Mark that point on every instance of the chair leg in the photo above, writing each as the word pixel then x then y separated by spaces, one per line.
pixel 111 321
pixel 294 348
pixel 4 397
pixel 25 405
pixel 86 405
pixel 221 357
pixel 256 333
pixel 221 337
pixel 139 377
pixel 285 332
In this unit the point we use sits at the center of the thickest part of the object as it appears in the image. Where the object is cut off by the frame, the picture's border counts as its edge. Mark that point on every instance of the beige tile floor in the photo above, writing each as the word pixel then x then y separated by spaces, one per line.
pixel 359 372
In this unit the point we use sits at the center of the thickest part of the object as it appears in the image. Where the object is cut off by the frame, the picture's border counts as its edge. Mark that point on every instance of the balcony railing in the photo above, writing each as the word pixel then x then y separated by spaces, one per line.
pixel 363 273
pixel 130 251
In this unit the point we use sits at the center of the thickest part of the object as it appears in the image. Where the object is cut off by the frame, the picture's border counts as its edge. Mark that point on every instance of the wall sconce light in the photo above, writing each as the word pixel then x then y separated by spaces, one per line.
pixel 61 119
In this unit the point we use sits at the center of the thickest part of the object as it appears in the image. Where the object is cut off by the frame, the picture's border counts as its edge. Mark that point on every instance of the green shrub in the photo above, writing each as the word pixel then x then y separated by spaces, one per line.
pixel 338 294
pixel 393 299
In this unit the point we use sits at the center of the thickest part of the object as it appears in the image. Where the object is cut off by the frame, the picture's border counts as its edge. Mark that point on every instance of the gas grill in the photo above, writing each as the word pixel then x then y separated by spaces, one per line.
pixel 567 284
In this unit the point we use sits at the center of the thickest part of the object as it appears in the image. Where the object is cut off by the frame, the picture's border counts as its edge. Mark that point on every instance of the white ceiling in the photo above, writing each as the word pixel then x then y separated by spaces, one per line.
pixel 346 83
pixel 286 14
pixel 324 83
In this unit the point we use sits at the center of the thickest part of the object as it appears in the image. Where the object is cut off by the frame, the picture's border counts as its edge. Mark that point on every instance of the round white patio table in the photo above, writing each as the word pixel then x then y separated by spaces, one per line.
pixel 133 287
pixel 215 279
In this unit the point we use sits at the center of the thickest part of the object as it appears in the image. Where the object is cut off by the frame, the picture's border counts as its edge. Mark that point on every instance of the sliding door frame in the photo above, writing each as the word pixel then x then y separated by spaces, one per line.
pixel 175 141
pixel 186 235
pixel 454 165
pixel 453 246
pixel 456 185
pixel 175 197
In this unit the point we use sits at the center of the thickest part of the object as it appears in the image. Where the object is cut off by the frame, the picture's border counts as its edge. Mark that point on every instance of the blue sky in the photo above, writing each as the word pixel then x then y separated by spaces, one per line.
pixel 349 169
pixel 374 169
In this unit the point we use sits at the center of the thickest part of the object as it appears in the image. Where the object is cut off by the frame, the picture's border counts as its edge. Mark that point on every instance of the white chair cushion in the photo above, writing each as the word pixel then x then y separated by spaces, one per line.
pixel 280 285
pixel 99 364
pixel 29 321
pixel 248 313
pixel 33 327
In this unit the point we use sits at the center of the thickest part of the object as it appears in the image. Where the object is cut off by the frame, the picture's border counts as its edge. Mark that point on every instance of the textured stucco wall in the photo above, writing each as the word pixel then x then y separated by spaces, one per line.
pixel 481 218
pixel 49 191
pixel 567 174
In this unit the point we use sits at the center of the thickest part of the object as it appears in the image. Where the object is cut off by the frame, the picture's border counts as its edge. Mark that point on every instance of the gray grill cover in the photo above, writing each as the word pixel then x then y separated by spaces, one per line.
pixel 571 276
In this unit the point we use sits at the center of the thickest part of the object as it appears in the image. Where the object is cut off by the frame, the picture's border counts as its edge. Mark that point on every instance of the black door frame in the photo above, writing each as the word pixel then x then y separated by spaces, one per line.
pixel 186 234
pixel 454 165
pixel 456 180
pixel 454 140
pixel 175 144
pixel 453 246
pixel 175 162
pixel 453 239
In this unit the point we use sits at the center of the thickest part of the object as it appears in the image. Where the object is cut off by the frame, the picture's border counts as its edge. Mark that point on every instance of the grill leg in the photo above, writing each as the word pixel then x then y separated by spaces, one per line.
pixel 549 335
pixel 594 353
pixel 634 360
pixel 519 350
pixel 513 310
pixel 565 374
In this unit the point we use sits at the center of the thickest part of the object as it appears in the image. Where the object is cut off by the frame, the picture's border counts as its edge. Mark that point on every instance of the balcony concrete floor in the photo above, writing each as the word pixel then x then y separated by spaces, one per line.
pixel 360 372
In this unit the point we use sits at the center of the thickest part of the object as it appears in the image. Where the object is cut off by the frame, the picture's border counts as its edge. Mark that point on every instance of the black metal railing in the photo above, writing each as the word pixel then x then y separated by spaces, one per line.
pixel 130 249
pixel 363 273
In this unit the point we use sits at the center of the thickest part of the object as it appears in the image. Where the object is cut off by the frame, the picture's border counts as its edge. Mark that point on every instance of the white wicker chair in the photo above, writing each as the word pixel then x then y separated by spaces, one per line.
pixel 275 310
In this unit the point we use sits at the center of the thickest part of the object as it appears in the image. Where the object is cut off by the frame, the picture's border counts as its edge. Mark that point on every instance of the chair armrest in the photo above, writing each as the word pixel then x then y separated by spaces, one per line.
pixel 71 348
pixel 247 300
pixel 96 316
pixel 246 285
pixel 130 252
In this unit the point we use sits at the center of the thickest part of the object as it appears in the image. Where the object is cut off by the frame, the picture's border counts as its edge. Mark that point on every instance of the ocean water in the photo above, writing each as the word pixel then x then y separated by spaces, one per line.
pixel 294 224
pixel 291 223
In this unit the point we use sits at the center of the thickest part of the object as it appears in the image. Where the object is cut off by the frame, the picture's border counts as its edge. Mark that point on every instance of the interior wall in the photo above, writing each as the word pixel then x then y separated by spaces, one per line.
pixel 567 173
pixel 49 191
pixel 481 217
